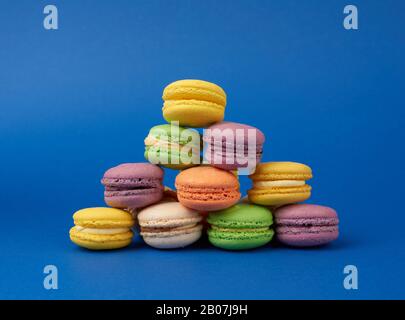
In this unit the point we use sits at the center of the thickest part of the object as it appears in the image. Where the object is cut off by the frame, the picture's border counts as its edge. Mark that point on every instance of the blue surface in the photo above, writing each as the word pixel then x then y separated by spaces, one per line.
pixel 81 99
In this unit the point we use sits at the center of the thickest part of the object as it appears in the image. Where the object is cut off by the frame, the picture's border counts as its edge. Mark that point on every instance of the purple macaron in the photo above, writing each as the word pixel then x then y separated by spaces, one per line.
pixel 306 225
pixel 133 185
pixel 231 145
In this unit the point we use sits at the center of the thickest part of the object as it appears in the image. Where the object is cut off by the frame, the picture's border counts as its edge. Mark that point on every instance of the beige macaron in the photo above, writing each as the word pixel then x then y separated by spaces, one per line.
pixel 169 225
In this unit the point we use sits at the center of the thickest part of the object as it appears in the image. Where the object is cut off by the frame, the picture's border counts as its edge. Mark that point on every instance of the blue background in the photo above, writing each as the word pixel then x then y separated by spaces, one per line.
pixel 81 99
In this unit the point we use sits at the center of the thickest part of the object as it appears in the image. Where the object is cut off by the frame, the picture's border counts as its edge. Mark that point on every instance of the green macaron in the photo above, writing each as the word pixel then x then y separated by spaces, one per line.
pixel 240 227
pixel 173 146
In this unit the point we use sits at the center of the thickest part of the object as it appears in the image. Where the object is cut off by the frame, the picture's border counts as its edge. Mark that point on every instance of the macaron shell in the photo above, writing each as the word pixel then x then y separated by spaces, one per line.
pixel 305 211
pixel 242 216
pixel 239 240
pixel 134 170
pixel 278 196
pixel 101 217
pixel 282 171
pixel 168 215
pixel 208 204
pixel 193 113
pixel 206 177
pixel 236 128
pixel 100 242
pixel 315 236
pixel 194 89
pixel 133 198
pixel 173 242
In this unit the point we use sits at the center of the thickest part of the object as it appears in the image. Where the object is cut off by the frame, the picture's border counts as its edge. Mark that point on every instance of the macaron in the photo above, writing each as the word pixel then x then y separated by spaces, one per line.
pixel 305 225
pixel 206 188
pixel 173 147
pixel 240 227
pixel 133 185
pixel 102 228
pixel 232 146
pixel 279 183
pixel 169 225
pixel 194 103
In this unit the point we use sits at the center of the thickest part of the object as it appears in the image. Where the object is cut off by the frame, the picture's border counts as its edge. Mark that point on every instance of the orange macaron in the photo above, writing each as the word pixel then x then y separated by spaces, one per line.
pixel 207 188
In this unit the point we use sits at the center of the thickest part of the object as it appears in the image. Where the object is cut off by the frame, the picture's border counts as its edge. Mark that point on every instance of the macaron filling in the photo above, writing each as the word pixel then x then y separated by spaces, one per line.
pixel 127 187
pixel 307 225
pixel 306 229
pixel 160 229
pixel 264 229
pixel 169 231
pixel 169 223
pixel 236 234
pixel 278 183
pixel 101 231
pixel 281 190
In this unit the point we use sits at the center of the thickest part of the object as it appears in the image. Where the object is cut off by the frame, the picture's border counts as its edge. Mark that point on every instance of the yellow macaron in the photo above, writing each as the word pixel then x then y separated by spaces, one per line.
pixel 102 228
pixel 194 103
pixel 279 183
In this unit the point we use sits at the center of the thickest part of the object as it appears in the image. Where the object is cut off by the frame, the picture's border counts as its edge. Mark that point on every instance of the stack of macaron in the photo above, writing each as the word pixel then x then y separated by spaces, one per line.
pixel 207 195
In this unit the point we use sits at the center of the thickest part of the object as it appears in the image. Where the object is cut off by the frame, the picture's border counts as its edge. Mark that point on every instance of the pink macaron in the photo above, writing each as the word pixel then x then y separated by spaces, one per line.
pixel 306 225
pixel 232 146
pixel 133 185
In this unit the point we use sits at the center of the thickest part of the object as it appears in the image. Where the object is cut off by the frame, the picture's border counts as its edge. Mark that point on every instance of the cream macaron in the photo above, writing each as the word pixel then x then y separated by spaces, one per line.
pixel 280 183
pixel 102 228
pixel 194 103
pixel 169 225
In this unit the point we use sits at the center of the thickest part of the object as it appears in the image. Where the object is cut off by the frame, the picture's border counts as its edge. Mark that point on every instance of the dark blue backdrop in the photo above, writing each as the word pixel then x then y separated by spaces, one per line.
pixel 81 99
